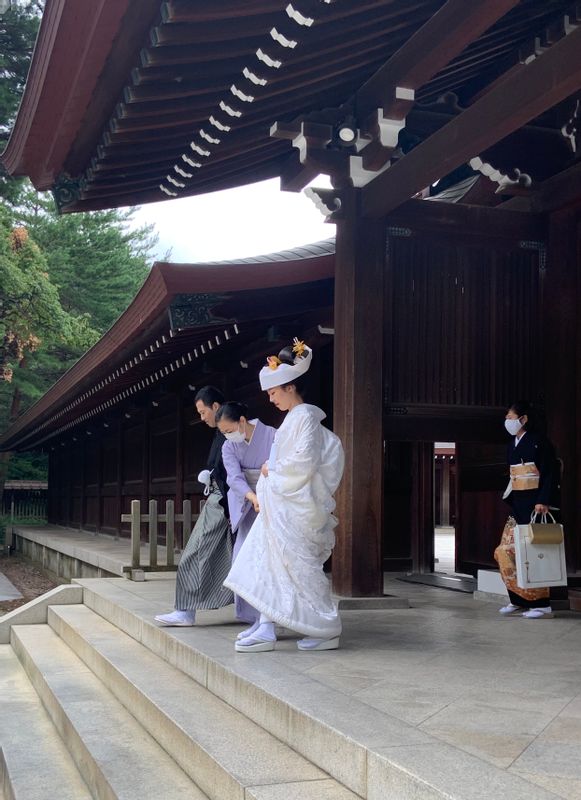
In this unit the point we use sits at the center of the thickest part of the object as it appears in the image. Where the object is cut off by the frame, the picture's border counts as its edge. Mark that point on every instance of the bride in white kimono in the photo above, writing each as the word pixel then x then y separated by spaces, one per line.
pixel 279 569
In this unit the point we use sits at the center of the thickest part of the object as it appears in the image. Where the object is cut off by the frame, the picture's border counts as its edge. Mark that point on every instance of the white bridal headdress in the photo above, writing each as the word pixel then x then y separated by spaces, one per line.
pixel 276 373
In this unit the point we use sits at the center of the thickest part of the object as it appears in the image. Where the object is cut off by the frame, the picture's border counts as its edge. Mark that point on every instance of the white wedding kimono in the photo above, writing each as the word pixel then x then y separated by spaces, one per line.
pixel 279 569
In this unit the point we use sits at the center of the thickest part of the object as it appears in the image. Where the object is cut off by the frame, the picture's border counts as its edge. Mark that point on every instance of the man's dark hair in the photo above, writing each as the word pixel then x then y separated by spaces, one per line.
pixel 209 395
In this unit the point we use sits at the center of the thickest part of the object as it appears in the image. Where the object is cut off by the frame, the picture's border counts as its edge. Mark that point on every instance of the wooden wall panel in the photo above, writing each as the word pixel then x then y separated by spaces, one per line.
pixel 110 460
pixel 133 444
pixel 463 323
pixel 91 513
pixel 162 446
pixel 111 513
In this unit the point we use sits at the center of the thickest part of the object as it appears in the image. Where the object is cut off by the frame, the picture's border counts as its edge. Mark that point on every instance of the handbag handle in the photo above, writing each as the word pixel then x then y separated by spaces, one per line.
pixel 543 518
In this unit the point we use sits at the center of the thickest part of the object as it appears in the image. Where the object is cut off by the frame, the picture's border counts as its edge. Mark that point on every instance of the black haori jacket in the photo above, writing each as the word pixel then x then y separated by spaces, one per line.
pixel 216 467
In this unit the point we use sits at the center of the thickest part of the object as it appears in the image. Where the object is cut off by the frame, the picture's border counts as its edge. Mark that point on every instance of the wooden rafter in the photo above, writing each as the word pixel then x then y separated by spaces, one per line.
pixel 391 90
pixel 435 44
pixel 511 104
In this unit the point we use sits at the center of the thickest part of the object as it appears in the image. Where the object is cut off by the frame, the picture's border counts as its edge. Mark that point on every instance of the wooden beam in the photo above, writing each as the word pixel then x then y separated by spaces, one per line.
pixel 458 219
pixel 445 35
pixel 528 93
pixel 559 191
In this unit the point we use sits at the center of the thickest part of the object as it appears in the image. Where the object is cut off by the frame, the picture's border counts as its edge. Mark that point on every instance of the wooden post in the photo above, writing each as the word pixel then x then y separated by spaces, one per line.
pixel 422 517
pixel 135 533
pixel 100 483
pixel 561 359
pixel 169 532
pixel 358 401
pixel 187 522
pixel 153 533
pixel 445 492
pixel 120 471
pixel 179 449
pixel 83 501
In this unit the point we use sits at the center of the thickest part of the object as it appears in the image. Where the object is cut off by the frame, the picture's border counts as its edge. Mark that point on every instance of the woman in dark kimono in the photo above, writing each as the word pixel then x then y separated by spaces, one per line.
pixel 533 488
pixel 245 450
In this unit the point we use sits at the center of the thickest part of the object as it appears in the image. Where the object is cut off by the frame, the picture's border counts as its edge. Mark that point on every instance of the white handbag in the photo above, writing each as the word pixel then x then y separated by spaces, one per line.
pixel 540 554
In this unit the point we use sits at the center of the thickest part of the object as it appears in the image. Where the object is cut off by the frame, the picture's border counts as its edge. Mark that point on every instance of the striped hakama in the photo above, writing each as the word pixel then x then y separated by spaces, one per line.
pixel 206 560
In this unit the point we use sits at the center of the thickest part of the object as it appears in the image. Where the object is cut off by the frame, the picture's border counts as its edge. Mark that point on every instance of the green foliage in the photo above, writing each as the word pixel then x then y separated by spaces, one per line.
pixel 64 280
pixel 18 29
pixel 97 262
pixel 31 314
pixel 28 467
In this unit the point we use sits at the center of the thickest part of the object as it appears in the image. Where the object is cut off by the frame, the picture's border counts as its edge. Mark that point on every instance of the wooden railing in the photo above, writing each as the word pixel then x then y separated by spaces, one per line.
pixel 152 520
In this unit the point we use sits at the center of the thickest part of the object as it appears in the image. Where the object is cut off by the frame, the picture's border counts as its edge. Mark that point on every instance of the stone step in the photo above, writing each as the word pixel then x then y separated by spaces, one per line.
pixel 224 752
pixel 116 757
pixel 367 750
pixel 34 762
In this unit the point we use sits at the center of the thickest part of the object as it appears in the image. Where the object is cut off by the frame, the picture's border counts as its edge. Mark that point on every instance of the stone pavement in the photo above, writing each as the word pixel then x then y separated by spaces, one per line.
pixel 8 590
pixel 507 691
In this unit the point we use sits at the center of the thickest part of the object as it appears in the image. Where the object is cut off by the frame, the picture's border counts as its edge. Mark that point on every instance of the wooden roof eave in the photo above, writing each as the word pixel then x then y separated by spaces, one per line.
pixel 149 308
pixel 74 45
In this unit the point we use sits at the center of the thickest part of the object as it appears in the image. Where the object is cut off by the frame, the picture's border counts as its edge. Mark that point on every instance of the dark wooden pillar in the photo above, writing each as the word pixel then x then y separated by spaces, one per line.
pixel 358 407
pixel 146 460
pixel 99 521
pixel 422 502
pixel 120 473
pixel 180 433
pixel 445 492
pixel 561 373
pixel 83 501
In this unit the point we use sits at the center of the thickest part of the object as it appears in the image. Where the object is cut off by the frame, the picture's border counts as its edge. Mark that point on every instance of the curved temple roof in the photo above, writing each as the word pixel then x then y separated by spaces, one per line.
pixel 180 313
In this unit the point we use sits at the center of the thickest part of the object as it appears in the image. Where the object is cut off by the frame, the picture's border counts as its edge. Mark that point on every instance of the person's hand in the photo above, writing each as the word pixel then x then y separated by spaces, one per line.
pixel 264 470
pixel 541 509
pixel 254 500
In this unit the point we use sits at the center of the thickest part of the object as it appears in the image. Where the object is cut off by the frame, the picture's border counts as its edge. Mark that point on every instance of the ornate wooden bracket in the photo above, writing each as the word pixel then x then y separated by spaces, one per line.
pixel 66 190
pixel 518 183
pixel 350 153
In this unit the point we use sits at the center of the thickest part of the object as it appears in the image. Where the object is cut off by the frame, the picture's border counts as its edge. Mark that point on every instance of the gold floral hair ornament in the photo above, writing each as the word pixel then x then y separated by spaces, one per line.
pixel 298 347
pixel 278 373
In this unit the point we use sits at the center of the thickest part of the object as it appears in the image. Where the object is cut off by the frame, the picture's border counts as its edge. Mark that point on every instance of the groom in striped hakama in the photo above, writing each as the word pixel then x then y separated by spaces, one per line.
pixel 207 557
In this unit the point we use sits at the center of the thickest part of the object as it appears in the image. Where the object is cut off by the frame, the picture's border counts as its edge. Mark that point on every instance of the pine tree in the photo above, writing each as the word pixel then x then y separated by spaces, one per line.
pixel 97 262
pixel 64 280
pixel 33 325
pixel 18 28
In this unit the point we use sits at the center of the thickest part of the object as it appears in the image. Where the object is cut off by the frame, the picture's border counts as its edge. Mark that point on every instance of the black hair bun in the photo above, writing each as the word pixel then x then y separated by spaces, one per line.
pixel 287 355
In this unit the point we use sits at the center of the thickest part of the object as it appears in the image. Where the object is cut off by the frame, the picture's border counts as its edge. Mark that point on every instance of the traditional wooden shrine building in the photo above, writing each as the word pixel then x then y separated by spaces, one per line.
pixel 451 132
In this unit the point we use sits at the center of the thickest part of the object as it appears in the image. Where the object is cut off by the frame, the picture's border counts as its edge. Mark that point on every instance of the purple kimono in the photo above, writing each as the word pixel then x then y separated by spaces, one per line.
pixel 243 461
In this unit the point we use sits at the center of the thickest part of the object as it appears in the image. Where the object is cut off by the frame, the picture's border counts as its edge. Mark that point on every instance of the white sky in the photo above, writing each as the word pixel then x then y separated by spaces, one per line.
pixel 248 221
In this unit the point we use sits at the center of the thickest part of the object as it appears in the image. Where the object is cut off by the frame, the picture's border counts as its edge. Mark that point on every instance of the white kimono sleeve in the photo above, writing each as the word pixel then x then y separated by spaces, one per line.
pixel 298 460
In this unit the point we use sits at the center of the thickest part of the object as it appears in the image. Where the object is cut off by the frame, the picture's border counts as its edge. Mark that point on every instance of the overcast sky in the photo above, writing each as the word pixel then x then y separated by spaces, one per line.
pixel 251 220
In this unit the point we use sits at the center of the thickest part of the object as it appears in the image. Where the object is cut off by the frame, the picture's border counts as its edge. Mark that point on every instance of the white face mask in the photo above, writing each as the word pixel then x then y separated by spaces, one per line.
pixel 513 426
pixel 235 436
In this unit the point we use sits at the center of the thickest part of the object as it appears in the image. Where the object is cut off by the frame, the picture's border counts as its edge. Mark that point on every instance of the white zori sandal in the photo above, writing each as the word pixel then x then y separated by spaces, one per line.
pixel 539 613
pixel 510 609
pixel 318 644
pixel 261 640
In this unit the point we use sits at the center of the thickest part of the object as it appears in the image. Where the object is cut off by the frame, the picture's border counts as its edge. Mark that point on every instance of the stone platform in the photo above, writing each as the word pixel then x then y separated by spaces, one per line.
pixel 441 700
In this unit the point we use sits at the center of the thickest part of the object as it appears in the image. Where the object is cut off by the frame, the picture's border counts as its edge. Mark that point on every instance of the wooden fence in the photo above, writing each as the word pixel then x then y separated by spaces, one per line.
pixel 152 520
pixel 24 505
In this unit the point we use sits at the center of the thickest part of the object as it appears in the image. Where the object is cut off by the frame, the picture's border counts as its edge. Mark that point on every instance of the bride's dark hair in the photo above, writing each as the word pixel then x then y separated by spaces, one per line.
pixel 287 356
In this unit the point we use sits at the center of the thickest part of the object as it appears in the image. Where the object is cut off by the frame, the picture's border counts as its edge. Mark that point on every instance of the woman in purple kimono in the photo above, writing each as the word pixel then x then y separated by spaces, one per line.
pixel 245 450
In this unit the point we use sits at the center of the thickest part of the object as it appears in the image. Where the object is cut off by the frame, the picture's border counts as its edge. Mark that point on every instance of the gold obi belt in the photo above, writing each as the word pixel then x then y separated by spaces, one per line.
pixel 524 476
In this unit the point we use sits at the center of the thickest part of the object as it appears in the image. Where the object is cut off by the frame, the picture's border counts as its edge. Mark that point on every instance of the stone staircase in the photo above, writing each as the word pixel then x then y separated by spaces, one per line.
pixel 92 713
pixel 99 702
